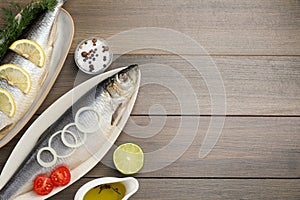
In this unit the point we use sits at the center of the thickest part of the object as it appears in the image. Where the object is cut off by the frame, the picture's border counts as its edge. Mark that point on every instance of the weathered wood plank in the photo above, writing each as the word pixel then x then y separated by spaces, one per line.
pixel 247 147
pixel 218 189
pixel 253 85
pixel 221 27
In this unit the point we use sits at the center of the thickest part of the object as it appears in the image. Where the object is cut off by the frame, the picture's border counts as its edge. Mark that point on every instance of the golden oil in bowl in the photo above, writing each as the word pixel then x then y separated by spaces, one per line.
pixel 111 191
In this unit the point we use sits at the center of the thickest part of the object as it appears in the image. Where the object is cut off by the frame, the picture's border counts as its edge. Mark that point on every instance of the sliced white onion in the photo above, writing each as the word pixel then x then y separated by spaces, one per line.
pixel 55 134
pixel 91 129
pixel 52 136
pixel 77 144
pixel 47 164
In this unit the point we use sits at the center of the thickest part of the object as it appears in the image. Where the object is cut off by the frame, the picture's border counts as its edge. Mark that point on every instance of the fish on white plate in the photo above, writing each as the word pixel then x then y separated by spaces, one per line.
pixel 42 31
pixel 78 133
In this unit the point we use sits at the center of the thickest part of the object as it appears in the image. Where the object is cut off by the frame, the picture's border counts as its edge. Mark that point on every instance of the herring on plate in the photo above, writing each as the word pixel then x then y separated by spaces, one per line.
pixel 16 98
pixel 76 135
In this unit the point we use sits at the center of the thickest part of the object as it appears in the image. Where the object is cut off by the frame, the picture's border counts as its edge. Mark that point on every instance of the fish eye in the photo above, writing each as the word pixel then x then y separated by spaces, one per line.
pixel 123 77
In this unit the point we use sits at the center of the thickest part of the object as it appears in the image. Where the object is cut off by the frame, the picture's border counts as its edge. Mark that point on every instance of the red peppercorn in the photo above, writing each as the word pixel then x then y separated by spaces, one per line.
pixel 84 54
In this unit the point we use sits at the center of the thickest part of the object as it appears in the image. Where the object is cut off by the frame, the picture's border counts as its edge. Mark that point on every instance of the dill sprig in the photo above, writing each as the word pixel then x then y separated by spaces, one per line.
pixel 18 19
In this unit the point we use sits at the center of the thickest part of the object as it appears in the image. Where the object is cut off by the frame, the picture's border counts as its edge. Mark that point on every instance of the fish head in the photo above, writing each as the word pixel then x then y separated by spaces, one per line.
pixel 124 83
pixel 121 88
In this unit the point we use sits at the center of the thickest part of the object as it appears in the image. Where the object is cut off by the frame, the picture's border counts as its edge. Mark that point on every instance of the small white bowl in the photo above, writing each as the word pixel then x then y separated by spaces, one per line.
pixel 130 183
pixel 93 55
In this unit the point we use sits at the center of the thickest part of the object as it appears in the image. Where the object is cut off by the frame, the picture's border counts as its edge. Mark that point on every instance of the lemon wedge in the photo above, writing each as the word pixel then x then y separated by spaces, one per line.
pixel 128 158
pixel 16 76
pixel 7 103
pixel 30 50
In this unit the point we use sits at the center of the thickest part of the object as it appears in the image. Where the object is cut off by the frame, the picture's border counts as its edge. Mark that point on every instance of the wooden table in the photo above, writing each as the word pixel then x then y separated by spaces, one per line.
pixel 256 48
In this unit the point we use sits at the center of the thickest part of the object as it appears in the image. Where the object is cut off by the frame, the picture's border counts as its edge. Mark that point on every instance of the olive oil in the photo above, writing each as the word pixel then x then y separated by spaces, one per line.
pixel 112 191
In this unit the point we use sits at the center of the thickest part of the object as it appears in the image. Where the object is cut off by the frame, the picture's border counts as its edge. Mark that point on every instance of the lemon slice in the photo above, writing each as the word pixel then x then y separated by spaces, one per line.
pixel 7 103
pixel 128 158
pixel 16 76
pixel 30 50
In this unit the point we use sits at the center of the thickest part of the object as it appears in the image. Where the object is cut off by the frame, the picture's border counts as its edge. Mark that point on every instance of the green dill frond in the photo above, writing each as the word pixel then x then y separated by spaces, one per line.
pixel 18 19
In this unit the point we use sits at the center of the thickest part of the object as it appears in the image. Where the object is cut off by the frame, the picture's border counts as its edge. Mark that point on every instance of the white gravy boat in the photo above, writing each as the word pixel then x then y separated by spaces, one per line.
pixel 130 183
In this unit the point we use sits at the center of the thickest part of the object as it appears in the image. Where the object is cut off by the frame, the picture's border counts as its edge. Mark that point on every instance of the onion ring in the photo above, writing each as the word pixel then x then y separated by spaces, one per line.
pixel 50 141
pixel 47 164
pixel 77 144
pixel 86 130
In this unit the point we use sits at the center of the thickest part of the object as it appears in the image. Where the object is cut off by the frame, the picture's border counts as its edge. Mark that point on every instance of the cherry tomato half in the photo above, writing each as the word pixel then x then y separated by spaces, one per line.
pixel 61 176
pixel 42 185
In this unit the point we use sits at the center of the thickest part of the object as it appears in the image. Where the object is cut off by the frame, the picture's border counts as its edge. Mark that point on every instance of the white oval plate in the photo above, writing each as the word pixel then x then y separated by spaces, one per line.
pixel 65 33
pixel 31 136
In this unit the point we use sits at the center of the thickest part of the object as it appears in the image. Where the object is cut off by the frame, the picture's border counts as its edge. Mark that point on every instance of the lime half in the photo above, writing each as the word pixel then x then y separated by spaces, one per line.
pixel 128 158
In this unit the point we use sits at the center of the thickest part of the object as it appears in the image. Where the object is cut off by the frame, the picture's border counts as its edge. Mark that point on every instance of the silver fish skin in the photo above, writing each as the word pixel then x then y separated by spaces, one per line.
pixel 110 98
pixel 43 32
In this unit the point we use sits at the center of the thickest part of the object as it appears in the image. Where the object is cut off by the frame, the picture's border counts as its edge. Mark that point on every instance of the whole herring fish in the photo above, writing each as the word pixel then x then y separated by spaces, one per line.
pixel 89 123
pixel 42 32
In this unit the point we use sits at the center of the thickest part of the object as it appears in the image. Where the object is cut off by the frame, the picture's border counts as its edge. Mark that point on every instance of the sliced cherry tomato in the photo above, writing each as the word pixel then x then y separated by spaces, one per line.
pixel 61 176
pixel 42 185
